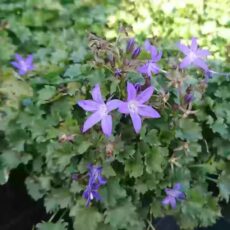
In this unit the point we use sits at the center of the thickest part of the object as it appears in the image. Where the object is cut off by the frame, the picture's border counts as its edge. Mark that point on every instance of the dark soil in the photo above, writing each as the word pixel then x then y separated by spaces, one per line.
pixel 17 210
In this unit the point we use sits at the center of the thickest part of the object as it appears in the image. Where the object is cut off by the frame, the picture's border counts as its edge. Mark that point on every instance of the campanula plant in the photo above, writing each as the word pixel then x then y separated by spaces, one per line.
pixel 114 133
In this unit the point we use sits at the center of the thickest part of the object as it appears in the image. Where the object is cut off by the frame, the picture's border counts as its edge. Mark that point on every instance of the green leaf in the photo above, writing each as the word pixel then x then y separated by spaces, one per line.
pixel 83 147
pixel 134 167
pixel 224 185
pixel 11 159
pixel 154 159
pixel 46 94
pixel 58 199
pixel 85 218
pixel 123 216
pixel 188 130
pixel 52 226
pixel 34 189
pixel 73 71
pixel 220 127
pixel 4 175
pixel 112 192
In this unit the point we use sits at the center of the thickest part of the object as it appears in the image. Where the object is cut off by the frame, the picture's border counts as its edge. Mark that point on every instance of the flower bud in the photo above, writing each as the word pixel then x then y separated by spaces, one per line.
pixel 117 72
pixel 130 45
pixel 136 52
pixel 188 98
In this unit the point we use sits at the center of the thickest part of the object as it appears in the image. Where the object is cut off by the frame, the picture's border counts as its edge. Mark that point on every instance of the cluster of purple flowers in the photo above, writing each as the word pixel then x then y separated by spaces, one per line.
pixel 94 183
pixel 134 106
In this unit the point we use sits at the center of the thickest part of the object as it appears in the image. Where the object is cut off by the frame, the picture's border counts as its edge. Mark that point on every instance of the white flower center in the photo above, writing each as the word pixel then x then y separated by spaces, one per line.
pixel 133 106
pixel 192 56
pixel 23 65
pixel 103 110
pixel 91 196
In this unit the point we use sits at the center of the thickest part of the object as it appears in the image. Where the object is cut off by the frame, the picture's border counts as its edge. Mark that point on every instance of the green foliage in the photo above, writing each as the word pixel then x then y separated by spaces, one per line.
pixel 52 226
pixel 179 147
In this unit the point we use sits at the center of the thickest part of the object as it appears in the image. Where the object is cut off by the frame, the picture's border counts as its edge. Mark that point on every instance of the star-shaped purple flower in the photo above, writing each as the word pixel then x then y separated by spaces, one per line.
pixel 193 55
pixel 135 107
pixel 94 183
pixel 100 111
pixel 23 65
pixel 173 195
pixel 95 175
pixel 150 66
pixel 91 193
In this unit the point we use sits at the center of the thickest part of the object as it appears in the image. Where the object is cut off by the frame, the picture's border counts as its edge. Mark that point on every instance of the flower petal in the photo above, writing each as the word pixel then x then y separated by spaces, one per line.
pixel 166 201
pixel 113 104
pixel 123 107
pixel 136 119
pixel 181 196
pixel 157 57
pixel 202 52
pixel 96 94
pixel 106 124
pixel 22 72
pixel 91 121
pixel 194 44
pixel 148 111
pixel 15 64
pixel 29 59
pixel 88 105
pixel 145 95
pixel 183 48
pixel 131 91
pixel 177 186
pixel 147 45
pixel 19 58
pixel 200 63
pixel 172 201
pixel 185 62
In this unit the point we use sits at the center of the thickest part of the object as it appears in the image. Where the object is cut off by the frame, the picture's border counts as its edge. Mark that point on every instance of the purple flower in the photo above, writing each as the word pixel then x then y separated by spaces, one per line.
pixel 130 45
pixel 94 183
pixel 173 195
pixel 117 72
pixel 95 175
pixel 155 55
pixel 136 52
pixel 188 98
pixel 135 106
pixel 23 65
pixel 91 193
pixel 100 111
pixel 150 66
pixel 193 55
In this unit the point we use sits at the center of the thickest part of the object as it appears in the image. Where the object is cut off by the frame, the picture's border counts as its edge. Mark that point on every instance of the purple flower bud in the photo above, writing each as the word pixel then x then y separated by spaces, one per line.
pixel 74 176
pixel 130 45
pixel 117 72
pixel 136 52
pixel 137 86
pixel 188 98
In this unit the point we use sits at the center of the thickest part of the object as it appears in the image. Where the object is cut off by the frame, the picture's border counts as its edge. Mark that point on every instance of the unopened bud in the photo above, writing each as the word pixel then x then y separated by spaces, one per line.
pixel 130 45
pixel 136 52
